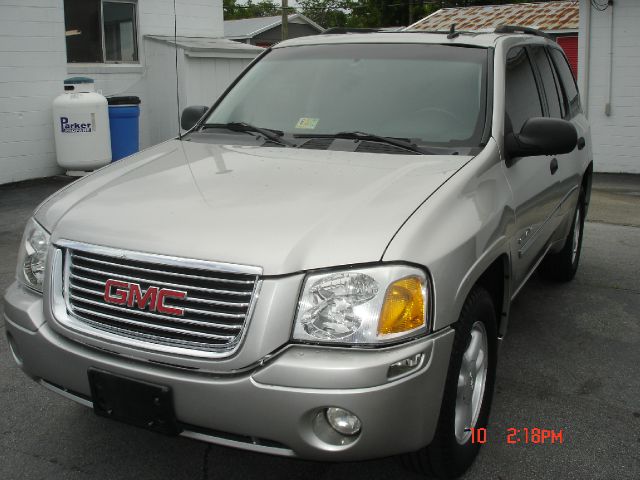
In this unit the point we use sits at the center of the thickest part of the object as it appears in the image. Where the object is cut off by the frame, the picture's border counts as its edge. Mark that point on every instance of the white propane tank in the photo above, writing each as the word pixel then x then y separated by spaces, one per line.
pixel 81 126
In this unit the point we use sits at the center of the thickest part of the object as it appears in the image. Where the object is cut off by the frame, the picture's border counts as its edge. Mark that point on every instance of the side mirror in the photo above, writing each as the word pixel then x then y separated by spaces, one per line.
pixel 191 115
pixel 541 136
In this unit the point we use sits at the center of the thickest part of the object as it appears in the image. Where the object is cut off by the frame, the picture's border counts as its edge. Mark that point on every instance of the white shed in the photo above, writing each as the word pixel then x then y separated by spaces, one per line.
pixel 206 67
pixel 609 80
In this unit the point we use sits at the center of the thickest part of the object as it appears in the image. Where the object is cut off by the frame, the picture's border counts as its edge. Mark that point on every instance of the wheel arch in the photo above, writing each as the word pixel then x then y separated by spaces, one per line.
pixel 495 279
pixel 493 273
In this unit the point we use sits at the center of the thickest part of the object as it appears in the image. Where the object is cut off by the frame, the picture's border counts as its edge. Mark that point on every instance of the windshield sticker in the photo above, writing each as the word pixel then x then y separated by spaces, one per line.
pixel 307 123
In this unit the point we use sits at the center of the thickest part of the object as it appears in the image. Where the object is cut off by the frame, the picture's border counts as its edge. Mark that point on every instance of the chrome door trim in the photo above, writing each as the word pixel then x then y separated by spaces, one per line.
pixel 529 238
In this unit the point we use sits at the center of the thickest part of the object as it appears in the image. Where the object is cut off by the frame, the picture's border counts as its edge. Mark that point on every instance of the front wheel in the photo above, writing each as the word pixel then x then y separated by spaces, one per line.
pixel 468 392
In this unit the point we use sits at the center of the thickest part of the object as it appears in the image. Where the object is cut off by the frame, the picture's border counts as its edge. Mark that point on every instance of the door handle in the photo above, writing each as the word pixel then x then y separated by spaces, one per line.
pixel 581 143
pixel 553 166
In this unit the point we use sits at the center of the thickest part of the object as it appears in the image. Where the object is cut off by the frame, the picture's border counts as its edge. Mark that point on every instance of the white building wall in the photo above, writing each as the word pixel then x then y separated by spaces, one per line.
pixel 202 80
pixel 162 104
pixel 616 136
pixel 207 79
pixel 195 18
pixel 32 68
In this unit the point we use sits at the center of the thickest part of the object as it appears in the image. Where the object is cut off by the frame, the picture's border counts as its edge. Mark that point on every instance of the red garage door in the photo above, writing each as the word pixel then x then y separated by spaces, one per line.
pixel 570 47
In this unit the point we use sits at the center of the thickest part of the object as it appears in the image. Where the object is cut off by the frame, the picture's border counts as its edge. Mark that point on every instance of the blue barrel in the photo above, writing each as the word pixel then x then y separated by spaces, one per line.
pixel 124 113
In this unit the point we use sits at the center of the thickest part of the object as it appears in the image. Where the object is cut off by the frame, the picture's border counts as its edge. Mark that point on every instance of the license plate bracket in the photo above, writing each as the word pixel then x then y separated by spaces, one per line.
pixel 132 401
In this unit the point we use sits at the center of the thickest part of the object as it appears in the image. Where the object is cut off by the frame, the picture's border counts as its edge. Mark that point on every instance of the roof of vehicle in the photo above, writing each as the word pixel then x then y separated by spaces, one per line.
pixel 478 39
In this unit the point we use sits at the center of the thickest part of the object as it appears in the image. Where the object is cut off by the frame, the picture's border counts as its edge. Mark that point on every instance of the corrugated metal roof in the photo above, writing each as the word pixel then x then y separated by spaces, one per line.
pixel 546 16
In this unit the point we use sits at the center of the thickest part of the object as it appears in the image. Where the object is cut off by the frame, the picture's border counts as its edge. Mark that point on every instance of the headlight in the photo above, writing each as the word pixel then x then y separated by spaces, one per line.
pixel 363 306
pixel 32 256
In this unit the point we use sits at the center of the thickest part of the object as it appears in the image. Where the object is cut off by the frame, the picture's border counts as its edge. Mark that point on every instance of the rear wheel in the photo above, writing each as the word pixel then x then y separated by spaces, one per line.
pixel 468 392
pixel 562 266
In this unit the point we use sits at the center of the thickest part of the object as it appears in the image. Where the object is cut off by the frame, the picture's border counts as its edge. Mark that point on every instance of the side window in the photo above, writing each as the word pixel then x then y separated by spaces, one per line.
pixel 568 82
pixel 548 81
pixel 564 105
pixel 522 100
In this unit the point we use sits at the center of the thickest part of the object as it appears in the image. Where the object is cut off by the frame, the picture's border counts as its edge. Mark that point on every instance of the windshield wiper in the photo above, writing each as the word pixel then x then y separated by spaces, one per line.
pixel 372 137
pixel 273 135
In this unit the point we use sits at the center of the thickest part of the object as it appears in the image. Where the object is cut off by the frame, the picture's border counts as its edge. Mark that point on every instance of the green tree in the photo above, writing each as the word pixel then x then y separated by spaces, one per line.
pixel 264 8
pixel 327 13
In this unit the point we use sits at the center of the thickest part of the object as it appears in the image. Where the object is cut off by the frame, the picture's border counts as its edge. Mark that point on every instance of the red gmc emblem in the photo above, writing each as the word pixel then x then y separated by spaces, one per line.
pixel 130 294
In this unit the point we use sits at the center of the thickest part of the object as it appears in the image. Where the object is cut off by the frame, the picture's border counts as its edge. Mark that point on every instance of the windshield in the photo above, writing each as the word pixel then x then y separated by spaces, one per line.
pixel 430 94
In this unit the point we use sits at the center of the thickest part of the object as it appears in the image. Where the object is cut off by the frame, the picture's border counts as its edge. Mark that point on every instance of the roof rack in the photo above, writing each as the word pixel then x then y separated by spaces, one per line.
pixel 447 31
pixel 340 30
pixel 520 29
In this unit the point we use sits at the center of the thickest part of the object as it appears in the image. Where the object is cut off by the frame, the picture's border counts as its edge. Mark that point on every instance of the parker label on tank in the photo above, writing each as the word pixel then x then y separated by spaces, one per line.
pixel 72 127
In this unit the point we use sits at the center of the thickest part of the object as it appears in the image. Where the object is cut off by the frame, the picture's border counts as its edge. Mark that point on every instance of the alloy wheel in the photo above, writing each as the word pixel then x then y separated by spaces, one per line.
pixel 471 383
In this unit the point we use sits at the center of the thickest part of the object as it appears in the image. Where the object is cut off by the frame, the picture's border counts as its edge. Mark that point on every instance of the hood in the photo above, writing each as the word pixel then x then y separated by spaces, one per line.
pixel 281 209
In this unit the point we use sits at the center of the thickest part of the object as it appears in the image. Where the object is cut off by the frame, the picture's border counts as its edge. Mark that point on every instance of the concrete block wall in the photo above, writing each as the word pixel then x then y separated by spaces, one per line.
pixel 156 17
pixel 32 69
pixel 616 137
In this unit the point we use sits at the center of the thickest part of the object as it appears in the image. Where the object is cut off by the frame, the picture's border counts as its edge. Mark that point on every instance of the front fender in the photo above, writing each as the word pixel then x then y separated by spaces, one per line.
pixel 459 232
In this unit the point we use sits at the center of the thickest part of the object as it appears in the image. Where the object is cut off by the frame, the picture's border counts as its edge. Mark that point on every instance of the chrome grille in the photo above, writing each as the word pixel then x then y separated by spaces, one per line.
pixel 215 308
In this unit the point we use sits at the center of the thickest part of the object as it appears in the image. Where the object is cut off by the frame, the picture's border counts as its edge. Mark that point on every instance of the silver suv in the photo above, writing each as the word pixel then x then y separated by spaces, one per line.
pixel 322 266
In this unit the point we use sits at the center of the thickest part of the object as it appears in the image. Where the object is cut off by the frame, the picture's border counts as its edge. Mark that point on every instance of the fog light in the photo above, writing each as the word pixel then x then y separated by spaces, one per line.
pixel 343 421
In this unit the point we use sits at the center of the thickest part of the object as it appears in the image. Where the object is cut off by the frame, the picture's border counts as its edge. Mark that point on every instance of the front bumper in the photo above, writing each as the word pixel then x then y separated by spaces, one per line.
pixel 274 407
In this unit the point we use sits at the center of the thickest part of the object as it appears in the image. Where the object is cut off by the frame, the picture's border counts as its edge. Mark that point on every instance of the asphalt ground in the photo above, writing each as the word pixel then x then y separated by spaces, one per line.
pixel 570 362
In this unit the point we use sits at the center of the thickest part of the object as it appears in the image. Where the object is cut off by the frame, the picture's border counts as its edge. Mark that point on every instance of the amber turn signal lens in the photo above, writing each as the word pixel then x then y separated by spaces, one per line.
pixel 404 306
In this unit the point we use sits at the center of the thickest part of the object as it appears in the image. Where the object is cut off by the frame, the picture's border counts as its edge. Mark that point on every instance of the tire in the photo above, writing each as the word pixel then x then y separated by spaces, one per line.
pixel 451 453
pixel 562 266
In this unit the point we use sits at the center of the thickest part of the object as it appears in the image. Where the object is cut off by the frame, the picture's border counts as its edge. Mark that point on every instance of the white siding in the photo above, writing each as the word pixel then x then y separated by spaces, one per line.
pixel 195 18
pixel 162 103
pixel 208 78
pixel 202 80
pixel 616 138
pixel 32 67
pixel 158 112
